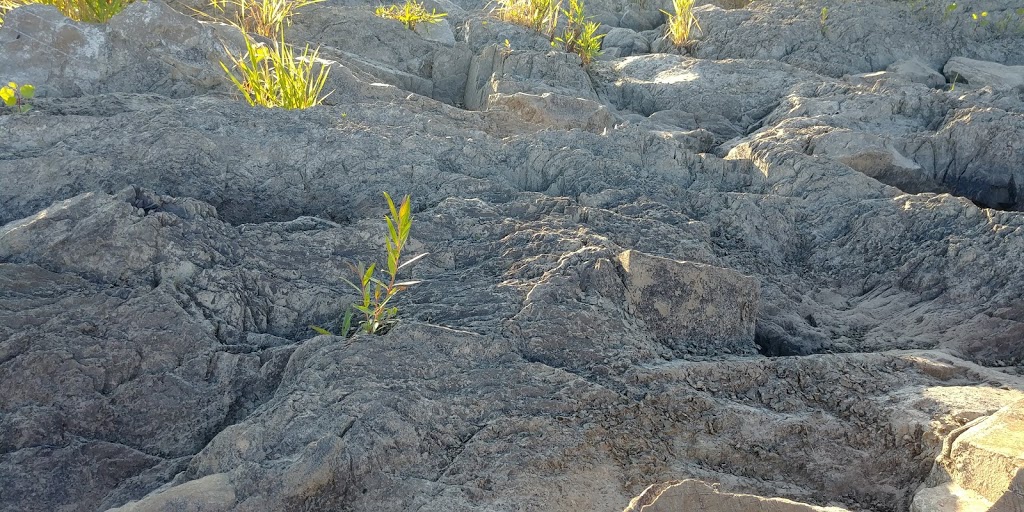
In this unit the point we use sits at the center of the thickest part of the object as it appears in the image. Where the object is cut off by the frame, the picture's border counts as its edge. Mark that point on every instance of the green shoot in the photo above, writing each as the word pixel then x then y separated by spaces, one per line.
pixel 539 15
pixel 580 36
pixel 410 14
pixel 682 24
pixel 17 97
pixel 376 293
pixel 274 77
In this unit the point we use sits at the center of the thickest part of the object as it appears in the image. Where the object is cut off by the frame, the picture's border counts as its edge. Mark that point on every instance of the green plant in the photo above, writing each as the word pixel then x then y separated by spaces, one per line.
pixel 17 97
pixel 274 77
pixel 824 18
pixel 681 24
pixel 539 15
pixel 410 14
pixel 376 293
pixel 91 11
pixel 580 36
pixel 264 17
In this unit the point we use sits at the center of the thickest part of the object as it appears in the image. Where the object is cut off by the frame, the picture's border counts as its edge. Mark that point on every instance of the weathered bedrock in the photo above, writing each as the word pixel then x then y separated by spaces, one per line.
pixel 779 270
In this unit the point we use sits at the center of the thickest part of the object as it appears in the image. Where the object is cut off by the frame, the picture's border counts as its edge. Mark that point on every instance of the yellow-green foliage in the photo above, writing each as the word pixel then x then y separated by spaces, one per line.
pixel 375 293
pixel 410 13
pixel 264 17
pixel 539 15
pixel 92 11
pixel 682 25
pixel 274 77
pixel 580 36
pixel 16 97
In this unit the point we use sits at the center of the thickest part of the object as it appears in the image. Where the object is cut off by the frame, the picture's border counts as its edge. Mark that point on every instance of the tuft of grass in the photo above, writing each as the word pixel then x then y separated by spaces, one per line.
pixel 90 11
pixel 539 15
pixel 580 36
pixel 17 98
pixel 275 77
pixel 376 292
pixel 682 25
pixel 410 14
pixel 264 17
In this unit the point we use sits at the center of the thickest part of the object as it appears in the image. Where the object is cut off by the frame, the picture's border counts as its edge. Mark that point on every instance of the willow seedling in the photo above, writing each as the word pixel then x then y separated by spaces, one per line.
pixel 376 292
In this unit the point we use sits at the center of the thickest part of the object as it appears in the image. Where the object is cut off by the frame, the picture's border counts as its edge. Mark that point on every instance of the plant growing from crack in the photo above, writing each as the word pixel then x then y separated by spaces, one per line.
pixel 824 20
pixel 375 292
pixel 264 17
pixel 16 97
pixel 275 77
pixel 410 14
pixel 539 15
pixel 580 36
pixel 682 23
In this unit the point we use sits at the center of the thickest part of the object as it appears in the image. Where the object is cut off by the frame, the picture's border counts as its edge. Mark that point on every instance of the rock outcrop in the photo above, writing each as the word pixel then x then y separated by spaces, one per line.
pixel 777 269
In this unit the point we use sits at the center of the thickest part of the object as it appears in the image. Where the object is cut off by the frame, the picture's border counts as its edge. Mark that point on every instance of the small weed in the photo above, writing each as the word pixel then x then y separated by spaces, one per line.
pixel 824 19
pixel 17 97
pixel 274 77
pixel 90 11
pixel 539 15
pixel 410 14
pixel 580 36
pixel 682 23
pixel 948 11
pixel 376 293
pixel 264 17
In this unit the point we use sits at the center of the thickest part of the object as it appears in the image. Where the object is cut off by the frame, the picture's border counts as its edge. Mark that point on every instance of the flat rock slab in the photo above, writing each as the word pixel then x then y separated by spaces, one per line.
pixel 982 73
pixel 696 495
pixel 989 458
pixel 684 302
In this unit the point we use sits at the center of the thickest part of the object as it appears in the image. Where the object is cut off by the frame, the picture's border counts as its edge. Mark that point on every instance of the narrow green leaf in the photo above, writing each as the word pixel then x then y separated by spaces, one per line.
pixel 353 285
pixel 368 274
pixel 321 330
pixel 346 323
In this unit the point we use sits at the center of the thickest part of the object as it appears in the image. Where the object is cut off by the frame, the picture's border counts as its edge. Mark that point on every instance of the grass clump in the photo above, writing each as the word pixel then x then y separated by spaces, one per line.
pixel 376 292
pixel 410 14
pixel 90 11
pixel 539 15
pixel 264 17
pixel 682 25
pixel 580 36
pixel 17 98
pixel 275 77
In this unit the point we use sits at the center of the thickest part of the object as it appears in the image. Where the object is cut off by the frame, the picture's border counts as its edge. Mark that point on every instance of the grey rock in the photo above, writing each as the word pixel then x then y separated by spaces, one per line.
pixel 739 93
pixel 918 72
pixel 691 494
pixel 165 248
pixel 692 302
pixel 981 74
pixel 551 111
pixel 147 48
pixel 623 42
pixel 500 70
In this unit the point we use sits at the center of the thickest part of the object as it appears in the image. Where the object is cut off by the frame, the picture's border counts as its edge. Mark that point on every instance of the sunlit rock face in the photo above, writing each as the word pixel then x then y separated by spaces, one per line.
pixel 776 268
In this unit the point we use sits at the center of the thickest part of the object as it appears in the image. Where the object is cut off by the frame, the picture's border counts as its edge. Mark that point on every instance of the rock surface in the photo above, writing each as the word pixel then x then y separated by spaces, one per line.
pixel 732 265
